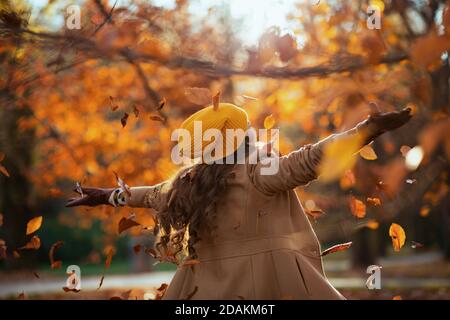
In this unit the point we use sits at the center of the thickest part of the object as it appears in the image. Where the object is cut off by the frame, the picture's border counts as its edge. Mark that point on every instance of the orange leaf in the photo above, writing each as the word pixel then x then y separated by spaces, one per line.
pixel 34 224
pixel 398 236
pixel 33 244
pixel 269 122
pixel 315 213
pixel 4 171
pixel 125 224
pixel 372 224
pixel 357 207
pixel 336 248
pixel 368 153
pixel 374 201
pixel 53 263
pixel 397 298
pixel 109 257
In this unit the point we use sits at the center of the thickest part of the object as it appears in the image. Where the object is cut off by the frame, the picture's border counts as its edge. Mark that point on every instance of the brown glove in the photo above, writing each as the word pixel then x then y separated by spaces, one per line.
pixel 379 123
pixel 91 197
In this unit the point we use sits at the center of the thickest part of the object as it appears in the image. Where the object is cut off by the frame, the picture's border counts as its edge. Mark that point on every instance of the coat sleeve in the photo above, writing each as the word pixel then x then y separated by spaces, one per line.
pixel 147 197
pixel 296 169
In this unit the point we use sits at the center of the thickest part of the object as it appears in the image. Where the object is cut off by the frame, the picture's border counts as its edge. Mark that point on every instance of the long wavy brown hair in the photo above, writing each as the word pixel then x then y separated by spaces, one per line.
pixel 191 206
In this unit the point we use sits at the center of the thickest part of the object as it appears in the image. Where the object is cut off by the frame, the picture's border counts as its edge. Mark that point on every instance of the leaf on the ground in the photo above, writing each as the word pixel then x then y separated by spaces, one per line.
pixel 397 298
pixel 33 244
pixel 126 223
pixel 198 96
pixel 124 119
pixel 137 248
pixel 162 103
pixel 336 248
pixel 357 207
pixel 216 100
pixel 101 282
pixel 55 264
pixel 191 294
pixel 398 236
pixel 269 122
pixel 374 201
pixel 368 153
pixel 122 184
pixel 416 245
pixel 34 225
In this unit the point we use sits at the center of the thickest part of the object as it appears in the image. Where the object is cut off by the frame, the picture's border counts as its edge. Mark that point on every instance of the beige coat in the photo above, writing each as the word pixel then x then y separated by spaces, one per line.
pixel 265 246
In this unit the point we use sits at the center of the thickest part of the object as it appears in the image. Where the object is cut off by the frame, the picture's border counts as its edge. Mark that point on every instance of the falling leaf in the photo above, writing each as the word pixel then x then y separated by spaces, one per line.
pixel 34 225
pixel 4 171
pixel 198 96
pixel 122 184
pixel 286 47
pixel 162 103
pixel 269 122
pixel 124 119
pixel 427 50
pixel 249 97
pixel 336 248
pixel 53 263
pixel 411 181
pixel 368 153
pixel 338 157
pixel 398 236
pixel 125 224
pixel 190 295
pixel 109 257
pixel 315 213
pixel 357 207
pixel 372 224
pixel 425 211
pixel 137 248
pixel 33 244
pixel 374 201
pixel 101 282
pixel 136 111
pixel 161 291
pixel 347 180
pixel 1 219
pixel 416 245
pixel 36 275
pixel 113 106
pixel 157 118
pixel 241 298
pixel 16 254
pixel 216 100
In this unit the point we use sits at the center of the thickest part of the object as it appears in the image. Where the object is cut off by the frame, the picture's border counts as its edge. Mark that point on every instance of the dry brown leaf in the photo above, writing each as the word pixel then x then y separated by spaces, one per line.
pixel 336 248
pixel 4 171
pixel 357 207
pixel 36 275
pixel 161 105
pixel 33 244
pixel 66 289
pixel 109 257
pixel 416 245
pixel 157 118
pixel 137 248
pixel 1 219
pixel 161 291
pixel 136 111
pixel 34 225
pixel 124 119
pixel 55 264
pixel 101 282
pixel 427 50
pixel 398 236
pixel 315 213
pixel 125 224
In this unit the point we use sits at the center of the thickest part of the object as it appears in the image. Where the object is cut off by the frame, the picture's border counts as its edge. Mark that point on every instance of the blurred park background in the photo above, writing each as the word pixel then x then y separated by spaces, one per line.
pixel 80 102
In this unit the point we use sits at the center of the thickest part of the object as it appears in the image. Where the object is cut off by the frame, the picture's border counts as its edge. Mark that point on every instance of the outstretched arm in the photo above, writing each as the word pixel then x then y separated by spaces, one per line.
pixel 301 166
pixel 138 197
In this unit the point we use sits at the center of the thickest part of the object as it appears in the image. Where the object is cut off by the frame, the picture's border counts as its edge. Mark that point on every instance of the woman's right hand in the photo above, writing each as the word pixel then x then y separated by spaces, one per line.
pixel 91 197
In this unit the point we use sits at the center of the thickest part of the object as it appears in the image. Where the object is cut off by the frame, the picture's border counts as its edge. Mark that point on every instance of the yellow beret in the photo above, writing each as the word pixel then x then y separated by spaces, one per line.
pixel 226 116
